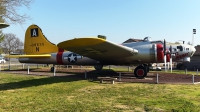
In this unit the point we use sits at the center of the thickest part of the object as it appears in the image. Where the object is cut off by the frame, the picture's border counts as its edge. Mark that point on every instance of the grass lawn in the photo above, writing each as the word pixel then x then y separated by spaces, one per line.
pixel 41 93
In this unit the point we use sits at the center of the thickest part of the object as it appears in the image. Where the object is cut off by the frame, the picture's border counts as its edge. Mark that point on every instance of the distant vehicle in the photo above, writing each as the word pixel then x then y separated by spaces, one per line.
pixel 2 60
pixel 7 59
pixel 156 68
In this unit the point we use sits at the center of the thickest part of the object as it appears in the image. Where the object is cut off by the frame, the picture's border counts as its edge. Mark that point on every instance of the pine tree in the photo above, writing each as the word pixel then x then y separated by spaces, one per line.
pixel 1 35
pixel 1 39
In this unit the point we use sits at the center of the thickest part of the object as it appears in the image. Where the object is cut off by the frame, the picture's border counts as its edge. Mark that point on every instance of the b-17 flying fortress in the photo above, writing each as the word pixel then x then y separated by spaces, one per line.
pixel 99 52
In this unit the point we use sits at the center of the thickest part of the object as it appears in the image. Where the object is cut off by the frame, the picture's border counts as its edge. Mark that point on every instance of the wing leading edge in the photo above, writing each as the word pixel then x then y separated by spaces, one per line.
pixel 98 49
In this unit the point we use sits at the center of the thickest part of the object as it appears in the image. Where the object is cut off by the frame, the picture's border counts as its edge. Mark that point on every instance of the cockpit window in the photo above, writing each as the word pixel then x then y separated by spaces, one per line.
pixel 180 48
pixel 187 49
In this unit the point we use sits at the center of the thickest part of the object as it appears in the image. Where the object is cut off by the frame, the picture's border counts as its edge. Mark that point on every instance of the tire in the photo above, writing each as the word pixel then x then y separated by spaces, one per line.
pixel 140 71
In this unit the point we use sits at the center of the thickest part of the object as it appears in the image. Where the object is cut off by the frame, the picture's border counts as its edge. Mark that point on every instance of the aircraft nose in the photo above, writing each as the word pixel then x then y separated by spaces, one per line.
pixel 193 50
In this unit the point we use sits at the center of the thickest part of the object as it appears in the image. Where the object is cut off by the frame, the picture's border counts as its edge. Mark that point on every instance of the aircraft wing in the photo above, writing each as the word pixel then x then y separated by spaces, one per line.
pixel 98 49
pixel 3 25
pixel 29 56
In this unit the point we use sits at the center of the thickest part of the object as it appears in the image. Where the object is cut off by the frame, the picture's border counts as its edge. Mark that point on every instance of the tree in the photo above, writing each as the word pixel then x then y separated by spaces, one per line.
pixel 11 43
pixel 9 8
pixel 1 34
pixel 177 43
pixel 1 38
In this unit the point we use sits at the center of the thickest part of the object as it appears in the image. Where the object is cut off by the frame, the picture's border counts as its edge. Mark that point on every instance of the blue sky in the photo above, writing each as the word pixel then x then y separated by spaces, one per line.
pixel 119 20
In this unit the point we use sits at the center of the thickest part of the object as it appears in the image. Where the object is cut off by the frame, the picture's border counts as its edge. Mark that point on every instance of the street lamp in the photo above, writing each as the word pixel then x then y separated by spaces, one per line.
pixel 194 32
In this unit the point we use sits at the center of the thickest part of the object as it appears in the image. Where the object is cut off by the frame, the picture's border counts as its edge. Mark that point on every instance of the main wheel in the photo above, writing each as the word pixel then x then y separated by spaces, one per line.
pixel 140 71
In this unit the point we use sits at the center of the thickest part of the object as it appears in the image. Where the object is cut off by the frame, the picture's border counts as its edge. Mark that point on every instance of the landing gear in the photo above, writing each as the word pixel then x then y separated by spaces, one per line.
pixel 52 68
pixel 147 67
pixel 141 71
pixel 98 67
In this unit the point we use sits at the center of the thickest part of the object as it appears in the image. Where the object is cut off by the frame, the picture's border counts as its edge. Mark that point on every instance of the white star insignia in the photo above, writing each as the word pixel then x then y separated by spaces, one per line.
pixel 72 58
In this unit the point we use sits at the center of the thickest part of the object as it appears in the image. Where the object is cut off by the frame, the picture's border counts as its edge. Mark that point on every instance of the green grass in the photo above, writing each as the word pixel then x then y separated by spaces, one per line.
pixel 125 69
pixel 179 72
pixel 41 93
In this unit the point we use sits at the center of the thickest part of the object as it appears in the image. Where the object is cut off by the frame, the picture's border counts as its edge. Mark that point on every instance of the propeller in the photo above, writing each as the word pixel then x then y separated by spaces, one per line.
pixel 167 55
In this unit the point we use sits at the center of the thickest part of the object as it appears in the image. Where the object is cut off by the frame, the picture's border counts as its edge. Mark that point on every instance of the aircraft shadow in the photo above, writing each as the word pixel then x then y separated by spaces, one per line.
pixel 36 82
pixel 91 76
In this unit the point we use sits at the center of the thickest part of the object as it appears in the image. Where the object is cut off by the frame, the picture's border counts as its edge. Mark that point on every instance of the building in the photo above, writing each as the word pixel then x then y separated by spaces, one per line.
pixel 133 40
pixel 194 61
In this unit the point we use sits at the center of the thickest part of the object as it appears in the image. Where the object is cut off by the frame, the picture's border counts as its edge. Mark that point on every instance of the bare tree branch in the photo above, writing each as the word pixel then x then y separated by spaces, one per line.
pixel 9 8
pixel 11 43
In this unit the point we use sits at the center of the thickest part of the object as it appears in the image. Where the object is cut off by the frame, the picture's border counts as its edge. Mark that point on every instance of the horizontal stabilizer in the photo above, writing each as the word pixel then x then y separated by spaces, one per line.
pixel 29 56
pixel 3 25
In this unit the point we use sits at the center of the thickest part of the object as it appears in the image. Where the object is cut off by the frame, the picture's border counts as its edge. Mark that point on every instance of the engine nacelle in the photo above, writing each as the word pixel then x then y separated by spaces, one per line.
pixel 160 53
pixel 147 53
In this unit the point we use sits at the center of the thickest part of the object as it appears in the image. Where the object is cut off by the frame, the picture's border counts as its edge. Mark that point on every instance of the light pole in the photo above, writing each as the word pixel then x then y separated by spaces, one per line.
pixel 194 32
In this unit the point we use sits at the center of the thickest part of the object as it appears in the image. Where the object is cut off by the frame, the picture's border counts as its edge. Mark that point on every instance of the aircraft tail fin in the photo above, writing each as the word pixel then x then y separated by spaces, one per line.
pixel 36 43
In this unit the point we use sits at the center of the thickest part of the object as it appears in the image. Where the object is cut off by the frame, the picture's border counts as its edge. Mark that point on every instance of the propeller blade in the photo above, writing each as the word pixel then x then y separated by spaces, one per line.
pixel 165 61
pixel 164 47
pixel 170 57
pixel 170 49
pixel 165 54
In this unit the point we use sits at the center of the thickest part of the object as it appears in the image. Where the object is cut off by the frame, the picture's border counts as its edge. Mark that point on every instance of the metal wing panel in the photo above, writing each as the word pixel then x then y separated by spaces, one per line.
pixel 97 49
